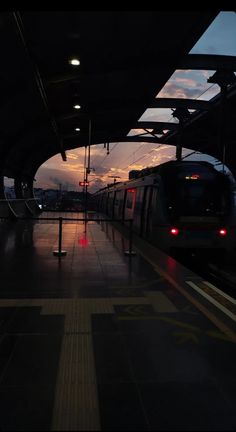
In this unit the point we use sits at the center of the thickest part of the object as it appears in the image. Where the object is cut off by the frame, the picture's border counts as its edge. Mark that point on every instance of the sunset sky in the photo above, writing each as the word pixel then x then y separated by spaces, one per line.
pixel 218 39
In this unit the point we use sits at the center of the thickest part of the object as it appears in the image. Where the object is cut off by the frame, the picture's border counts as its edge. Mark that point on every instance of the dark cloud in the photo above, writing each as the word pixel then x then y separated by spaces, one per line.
pixel 101 170
pixel 53 178
pixel 97 184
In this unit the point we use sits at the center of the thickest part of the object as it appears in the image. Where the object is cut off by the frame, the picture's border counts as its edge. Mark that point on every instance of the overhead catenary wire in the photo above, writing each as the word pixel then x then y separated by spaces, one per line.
pixel 141 157
pixel 107 154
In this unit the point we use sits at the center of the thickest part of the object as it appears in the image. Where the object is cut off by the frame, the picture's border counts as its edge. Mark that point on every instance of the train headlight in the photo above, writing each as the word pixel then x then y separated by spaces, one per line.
pixel 174 231
pixel 222 232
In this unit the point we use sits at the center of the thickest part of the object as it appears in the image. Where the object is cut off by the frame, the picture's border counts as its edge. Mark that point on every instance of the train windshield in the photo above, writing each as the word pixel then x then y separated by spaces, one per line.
pixel 197 193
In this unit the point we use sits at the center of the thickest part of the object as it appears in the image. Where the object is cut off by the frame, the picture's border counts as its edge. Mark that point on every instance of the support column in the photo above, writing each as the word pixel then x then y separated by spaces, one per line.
pixel 2 189
pixel 23 188
pixel 18 187
pixel 30 183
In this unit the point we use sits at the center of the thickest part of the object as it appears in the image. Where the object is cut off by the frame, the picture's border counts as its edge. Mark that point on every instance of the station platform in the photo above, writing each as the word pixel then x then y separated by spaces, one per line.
pixel 100 339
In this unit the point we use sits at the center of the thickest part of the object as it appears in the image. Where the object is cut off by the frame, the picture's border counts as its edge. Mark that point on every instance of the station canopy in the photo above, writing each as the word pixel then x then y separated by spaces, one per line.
pixel 49 104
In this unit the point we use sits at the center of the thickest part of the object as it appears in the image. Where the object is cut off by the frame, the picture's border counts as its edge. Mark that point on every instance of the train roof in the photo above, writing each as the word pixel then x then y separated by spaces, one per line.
pixel 166 165
pixel 149 172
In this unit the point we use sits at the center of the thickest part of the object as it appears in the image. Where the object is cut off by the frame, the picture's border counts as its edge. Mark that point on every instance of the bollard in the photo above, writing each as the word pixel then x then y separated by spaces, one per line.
pixel 60 252
pixel 130 252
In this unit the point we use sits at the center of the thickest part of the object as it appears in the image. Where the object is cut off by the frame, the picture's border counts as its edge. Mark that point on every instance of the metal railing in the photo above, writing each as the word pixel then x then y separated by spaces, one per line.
pixel 60 252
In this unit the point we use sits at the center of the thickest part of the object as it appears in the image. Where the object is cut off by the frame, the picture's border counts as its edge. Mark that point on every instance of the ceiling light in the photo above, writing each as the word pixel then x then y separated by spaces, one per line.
pixel 76 106
pixel 77 129
pixel 74 62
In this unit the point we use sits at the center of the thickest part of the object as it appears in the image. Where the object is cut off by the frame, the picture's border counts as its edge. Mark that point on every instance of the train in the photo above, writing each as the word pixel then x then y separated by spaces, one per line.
pixel 177 205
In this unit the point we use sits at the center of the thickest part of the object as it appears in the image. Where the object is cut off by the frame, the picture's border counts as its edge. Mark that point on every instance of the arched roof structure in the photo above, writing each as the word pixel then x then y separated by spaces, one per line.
pixel 125 60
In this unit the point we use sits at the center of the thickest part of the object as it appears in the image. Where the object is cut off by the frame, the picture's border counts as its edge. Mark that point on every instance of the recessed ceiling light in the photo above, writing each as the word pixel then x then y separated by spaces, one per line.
pixel 76 106
pixel 74 62
pixel 77 129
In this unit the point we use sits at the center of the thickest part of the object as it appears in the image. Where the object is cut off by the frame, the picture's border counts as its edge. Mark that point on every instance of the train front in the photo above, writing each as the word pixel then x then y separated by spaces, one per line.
pixel 200 206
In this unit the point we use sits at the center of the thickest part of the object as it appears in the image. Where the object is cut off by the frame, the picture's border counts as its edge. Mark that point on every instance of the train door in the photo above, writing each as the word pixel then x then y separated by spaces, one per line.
pixel 116 204
pixel 154 213
pixel 138 209
pixel 105 203
pixel 110 203
pixel 130 203
pixel 101 203
pixel 147 212
pixel 119 204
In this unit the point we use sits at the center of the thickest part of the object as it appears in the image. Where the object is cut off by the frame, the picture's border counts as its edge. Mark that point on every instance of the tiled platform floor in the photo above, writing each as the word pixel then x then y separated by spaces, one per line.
pixel 96 340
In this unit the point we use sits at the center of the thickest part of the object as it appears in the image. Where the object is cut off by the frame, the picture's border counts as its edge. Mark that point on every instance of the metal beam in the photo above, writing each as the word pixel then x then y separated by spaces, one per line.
pixel 156 125
pixel 63 78
pixel 102 139
pixel 208 62
pixel 191 61
pixel 177 103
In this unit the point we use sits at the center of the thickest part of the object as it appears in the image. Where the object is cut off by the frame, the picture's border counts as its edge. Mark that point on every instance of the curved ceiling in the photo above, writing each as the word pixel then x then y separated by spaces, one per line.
pixel 125 60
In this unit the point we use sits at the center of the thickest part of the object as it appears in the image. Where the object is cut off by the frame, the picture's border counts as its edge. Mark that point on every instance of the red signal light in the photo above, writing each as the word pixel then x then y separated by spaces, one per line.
pixel 131 190
pixel 83 183
pixel 222 232
pixel 174 231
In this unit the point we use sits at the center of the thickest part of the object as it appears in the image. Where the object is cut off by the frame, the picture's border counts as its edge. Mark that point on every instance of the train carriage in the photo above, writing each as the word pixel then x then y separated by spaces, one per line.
pixel 176 205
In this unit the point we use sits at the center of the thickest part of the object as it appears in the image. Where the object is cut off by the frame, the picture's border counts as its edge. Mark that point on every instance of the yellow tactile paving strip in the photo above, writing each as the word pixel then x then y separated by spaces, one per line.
pixel 76 402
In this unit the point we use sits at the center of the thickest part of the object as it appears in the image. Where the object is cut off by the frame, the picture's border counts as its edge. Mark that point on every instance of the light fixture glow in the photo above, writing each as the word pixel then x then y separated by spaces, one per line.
pixel 223 232
pixel 77 129
pixel 74 62
pixel 174 231
pixel 77 106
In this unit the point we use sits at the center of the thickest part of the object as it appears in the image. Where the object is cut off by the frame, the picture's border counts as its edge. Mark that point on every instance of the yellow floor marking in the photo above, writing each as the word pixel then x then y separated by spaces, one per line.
pixel 76 405
pixel 136 286
pixel 218 335
pixel 136 310
pixel 186 337
pixel 76 401
pixel 160 302
pixel 179 323
pixel 160 318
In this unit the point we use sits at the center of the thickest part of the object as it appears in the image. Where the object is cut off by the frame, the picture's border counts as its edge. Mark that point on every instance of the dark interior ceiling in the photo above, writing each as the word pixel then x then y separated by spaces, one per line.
pixel 125 60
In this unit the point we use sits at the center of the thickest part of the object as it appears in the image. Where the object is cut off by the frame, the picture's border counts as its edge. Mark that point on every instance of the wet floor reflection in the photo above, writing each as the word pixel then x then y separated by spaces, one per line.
pixel 95 260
